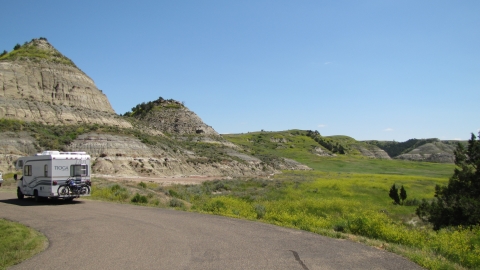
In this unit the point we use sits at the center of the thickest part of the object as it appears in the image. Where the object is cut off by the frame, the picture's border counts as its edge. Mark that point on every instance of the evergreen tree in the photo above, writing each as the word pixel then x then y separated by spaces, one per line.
pixel 3 53
pixel 458 203
pixel 17 47
pixel 403 194
pixel 394 194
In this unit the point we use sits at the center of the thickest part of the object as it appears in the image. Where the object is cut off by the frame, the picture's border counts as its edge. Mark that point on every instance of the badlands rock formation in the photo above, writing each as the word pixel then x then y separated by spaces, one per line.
pixel 172 117
pixel 39 84
pixel 431 152
pixel 121 155
pixel 373 152
pixel 50 89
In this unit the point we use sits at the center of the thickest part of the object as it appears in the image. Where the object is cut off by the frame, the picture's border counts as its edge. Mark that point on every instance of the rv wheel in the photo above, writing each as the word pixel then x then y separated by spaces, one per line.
pixel 20 195
pixel 35 195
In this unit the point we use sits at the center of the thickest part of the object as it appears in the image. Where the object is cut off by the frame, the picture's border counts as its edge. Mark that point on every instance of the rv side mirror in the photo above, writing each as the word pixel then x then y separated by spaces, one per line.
pixel 15 177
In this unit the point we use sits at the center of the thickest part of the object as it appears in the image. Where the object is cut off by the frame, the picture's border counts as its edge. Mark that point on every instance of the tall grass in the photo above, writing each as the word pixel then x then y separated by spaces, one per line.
pixel 343 205
pixel 141 193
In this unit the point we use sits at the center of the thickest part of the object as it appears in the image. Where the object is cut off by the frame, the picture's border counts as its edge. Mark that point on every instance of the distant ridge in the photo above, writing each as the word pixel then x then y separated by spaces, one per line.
pixel 431 150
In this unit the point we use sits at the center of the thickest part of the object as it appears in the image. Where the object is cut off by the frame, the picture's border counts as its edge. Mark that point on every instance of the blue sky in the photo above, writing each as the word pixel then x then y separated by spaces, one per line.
pixel 383 69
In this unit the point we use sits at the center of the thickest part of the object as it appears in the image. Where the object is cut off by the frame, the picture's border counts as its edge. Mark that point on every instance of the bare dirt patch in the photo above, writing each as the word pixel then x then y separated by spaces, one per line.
pixel 162 180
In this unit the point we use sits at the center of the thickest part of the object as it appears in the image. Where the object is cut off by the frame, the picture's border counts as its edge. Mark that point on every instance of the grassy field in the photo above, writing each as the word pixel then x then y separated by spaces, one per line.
pixel 18 243
pixel 296 145
pixel 342 204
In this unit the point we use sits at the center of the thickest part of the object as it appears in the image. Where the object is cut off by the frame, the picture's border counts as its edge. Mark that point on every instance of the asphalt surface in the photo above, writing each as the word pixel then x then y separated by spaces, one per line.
pixel 97 235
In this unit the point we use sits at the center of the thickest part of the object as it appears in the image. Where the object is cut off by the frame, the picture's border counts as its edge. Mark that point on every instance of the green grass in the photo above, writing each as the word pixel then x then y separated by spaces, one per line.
pixel 294 144
pixel 128 192
pixel 345 205
pixel 18 243
pixel 351 164
pixel 34 53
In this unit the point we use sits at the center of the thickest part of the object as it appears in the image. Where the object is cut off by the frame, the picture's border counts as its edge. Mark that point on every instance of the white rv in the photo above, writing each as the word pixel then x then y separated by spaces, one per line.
pixel 54 174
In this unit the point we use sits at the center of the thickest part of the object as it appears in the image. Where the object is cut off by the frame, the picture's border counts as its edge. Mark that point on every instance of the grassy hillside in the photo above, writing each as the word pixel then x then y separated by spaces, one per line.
pixel 33 52
pixel 58 137
pixel 295 144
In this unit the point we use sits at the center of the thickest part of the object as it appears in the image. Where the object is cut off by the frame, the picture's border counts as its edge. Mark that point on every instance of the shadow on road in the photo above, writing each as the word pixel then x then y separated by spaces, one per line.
pixel 32 202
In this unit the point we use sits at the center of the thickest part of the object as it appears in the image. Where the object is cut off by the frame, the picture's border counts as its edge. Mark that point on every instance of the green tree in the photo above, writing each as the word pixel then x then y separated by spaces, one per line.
pixel 3 53
pixel 16 47
pixel 403 194
pixel 458 203
pixel 394 194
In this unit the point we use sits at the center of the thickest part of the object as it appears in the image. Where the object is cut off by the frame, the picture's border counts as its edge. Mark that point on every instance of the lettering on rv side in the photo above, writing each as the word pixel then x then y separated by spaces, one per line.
pixel 61 168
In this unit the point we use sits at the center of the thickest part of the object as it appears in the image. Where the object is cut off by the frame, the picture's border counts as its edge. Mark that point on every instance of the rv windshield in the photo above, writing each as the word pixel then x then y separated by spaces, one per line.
pixel 79 170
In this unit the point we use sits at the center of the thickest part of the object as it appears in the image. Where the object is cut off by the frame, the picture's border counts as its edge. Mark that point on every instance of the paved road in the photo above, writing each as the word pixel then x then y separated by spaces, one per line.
pixel 97 235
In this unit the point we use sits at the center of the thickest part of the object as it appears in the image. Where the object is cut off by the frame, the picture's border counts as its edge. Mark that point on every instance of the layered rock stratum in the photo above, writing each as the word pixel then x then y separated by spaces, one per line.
pixel 172 117
pixel 37 83
pixel 431 152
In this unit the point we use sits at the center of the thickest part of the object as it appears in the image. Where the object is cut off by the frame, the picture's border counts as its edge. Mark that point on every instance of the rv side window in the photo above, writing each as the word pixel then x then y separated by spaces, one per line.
pixel 20 163
pixel 79 170
pixel 45 170
pixel 27 170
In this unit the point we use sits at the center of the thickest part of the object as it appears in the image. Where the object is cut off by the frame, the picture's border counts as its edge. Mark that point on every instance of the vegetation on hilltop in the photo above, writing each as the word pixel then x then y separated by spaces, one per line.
pixel 333 145
pixel 33 52
pixel 142 109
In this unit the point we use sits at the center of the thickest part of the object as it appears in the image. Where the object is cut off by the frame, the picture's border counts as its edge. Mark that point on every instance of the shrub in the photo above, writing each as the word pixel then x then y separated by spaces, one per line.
pixel 394 194
pixel 142 185
pixel 260 210
pixel 174 202
pixel 139 199
pixel 173 193
pixel 413 202
pixel 215 206
pixel 403 194
pixel 340 227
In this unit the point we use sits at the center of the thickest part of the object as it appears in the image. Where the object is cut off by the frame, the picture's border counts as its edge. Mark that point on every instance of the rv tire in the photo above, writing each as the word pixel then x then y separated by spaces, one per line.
pixel 35 195
pixel 20 195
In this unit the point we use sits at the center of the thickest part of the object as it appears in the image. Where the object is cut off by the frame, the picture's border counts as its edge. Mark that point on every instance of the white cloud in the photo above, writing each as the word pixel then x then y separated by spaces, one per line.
pixel 388 129
pixel 327 63
pixel 322 126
